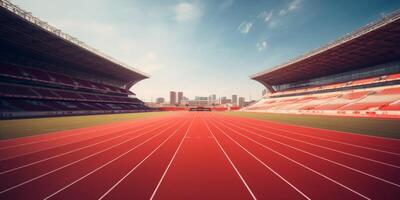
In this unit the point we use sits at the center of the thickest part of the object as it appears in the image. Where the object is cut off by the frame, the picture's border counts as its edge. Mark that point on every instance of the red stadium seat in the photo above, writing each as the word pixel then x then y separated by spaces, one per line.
pixel 392 77
pixel 16 91
pixel 364 99
pixel 365 81
pixel 38 75
pixel 10 70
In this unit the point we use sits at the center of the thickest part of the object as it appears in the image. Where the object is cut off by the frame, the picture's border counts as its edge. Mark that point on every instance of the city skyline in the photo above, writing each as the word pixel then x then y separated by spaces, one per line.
pixel 210 96
pixel 177 98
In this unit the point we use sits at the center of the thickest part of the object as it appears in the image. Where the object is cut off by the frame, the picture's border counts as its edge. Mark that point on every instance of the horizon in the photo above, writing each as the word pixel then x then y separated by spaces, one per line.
pixel 189 46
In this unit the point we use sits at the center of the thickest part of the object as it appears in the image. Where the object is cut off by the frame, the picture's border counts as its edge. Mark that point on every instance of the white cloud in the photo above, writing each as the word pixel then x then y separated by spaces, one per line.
pixel 293 5
pixel 187 11
pixel 245 27
pixel 262 45
pixel 150 62
pixel 273 23
pixel 266 15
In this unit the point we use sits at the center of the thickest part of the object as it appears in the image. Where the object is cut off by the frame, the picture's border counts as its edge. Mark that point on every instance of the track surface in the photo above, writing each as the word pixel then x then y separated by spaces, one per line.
pixel 200 156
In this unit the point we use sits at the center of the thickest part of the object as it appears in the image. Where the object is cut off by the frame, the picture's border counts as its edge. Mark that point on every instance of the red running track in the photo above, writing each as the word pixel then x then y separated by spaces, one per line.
pixel 204 155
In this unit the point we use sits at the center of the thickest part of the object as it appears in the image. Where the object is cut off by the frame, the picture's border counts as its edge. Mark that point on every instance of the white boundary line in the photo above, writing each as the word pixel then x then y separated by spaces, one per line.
pixel 61 136
pixel 84 158
pixel 39 150
pixel 341 132
pixel 133 169
pixel 107 163
pixel 172 159
pixel 265 165
pixel 80 148
pixel 331 161
pixel 45 134
pixel 120 123
pixel 323 147
pixel 335 141
pixel 318 173
pixel 230 161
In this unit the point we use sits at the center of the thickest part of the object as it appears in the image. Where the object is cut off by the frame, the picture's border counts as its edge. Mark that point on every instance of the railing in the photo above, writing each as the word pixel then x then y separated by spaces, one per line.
pixel 349 36
pixel 53 30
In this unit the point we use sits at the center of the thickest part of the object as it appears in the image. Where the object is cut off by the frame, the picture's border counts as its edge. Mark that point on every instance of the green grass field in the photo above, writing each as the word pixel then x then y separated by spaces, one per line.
pixel 27 127
pixel 369 126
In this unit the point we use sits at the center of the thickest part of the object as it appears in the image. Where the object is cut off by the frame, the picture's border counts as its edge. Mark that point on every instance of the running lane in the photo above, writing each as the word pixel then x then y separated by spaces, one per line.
pixel 305 159
pixel 22 146
pixel 200 170
pixel 200 155
pixel 41 179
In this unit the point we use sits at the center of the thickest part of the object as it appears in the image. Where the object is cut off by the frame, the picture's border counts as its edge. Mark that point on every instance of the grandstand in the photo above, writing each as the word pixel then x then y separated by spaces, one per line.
pixel 45 72
pixel 357 75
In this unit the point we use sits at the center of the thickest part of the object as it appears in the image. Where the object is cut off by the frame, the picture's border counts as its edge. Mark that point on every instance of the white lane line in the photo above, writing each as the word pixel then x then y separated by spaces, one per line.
pixel 320 138
pixel 230 161
pixel 3 143
pixel 64 144
pixel 341 132
pixel 172 159
pixel 265 165
pixel 80 148
pixel 84 158
pixel 312 144
pixel 59 137
pixel 133 169
pixel 302 165
pixel 328 160
pixel 109 162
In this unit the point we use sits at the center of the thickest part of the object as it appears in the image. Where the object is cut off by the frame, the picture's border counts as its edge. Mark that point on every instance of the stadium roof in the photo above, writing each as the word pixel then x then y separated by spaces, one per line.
pixel 23 29
pixel 375 43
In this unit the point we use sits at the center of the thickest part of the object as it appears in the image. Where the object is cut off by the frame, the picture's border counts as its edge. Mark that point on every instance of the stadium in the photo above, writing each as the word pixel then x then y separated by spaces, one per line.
pixel 55 74
pixel 71 127
pixel 357 75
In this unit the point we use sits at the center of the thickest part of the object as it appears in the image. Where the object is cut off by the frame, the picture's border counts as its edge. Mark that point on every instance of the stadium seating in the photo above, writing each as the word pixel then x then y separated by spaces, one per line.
pixel 31 74
pixel 23 91
pixel 379 101
pixel 28 90
pixel 339 86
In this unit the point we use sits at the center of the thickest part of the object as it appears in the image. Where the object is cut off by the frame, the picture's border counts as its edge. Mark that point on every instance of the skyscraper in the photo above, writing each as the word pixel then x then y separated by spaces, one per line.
pixel 214 97
pixel 241 101
pixel 172 97
pixel 234 100
pixel 180 96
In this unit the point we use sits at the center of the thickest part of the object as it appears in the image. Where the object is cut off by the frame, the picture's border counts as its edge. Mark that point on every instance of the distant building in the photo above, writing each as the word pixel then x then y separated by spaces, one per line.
pixel 234 100
pixel 172 98
pixel 222 98
pixel 214 97
pixel 225 101
pixel 242 102
pixel 195 102
pixel 160 100
pixel 201 98
pixel 180 97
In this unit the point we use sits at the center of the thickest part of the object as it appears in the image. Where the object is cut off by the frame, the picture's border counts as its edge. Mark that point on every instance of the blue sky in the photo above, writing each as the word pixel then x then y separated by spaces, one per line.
pixel 210 46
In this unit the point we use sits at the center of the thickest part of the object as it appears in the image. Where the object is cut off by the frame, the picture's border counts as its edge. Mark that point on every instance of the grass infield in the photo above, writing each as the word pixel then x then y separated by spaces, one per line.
pixel 368 126
pixel 27 127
